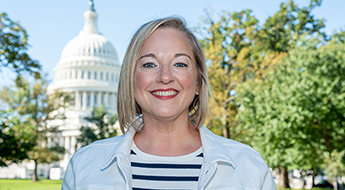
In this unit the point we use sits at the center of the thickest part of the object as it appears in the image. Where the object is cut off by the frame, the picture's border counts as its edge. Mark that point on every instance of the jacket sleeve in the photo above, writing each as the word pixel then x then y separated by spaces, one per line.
pixel 267 178
pixel 68 182
pixel 269 183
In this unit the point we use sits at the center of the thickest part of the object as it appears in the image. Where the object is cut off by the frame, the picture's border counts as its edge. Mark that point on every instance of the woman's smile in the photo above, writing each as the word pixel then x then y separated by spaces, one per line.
pixel 164 94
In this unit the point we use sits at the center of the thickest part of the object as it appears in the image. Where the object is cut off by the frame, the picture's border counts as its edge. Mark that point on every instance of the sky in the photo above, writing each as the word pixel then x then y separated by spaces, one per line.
pixel 52 24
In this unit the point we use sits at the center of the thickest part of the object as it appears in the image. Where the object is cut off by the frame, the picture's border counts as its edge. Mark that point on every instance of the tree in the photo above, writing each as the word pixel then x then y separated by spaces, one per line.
pixel 31 108
pixel 101 126
pixel 13 47
pixel 294 117
pixel 15 139
pixel 239 50
pixel 335 167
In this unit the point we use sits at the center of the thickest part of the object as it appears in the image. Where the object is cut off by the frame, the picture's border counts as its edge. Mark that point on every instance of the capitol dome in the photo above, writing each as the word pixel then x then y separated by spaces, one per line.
pixel 89 43
pixel 88 65
pixel 88 56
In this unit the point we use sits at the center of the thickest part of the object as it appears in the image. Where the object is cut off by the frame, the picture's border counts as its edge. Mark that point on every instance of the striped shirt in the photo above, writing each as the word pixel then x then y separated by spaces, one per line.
pixel 164 172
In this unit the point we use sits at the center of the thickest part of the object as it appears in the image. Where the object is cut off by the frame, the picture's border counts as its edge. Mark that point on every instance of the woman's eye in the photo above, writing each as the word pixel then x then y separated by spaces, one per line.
pixel 148 65
pixel 181 65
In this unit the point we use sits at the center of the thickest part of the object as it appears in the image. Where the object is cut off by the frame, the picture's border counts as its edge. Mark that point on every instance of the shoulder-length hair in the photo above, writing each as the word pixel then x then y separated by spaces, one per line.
pixel 127 107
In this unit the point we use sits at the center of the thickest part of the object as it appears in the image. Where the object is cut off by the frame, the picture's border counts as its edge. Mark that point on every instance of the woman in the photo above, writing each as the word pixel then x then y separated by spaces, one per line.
pixel 162 103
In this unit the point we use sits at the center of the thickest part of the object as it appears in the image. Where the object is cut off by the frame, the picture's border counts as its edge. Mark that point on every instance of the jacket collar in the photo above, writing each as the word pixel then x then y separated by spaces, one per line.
pixel 123 148
pixel 213 150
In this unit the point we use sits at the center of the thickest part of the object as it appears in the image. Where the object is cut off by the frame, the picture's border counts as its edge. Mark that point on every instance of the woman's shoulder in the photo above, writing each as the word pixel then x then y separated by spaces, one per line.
pixel 236 149
pixel 99 148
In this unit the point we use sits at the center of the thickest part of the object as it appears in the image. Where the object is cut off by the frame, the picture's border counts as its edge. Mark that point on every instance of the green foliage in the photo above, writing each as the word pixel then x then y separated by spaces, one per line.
pixel 101 126
pixel 281 31
pixel 31 110
pixel 295 116
pixel 335 165
pixel 13 47
pixel 15 139
pixel 238 49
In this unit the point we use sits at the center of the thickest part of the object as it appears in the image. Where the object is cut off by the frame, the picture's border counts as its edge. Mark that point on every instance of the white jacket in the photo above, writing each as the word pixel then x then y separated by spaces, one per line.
pixel 227 165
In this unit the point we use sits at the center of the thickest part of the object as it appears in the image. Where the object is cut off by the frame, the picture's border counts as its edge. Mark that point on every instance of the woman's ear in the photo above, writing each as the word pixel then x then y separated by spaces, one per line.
pixel 197 90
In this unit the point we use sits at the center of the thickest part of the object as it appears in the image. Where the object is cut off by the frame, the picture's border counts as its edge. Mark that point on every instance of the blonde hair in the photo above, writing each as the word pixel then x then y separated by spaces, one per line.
pixel 128 109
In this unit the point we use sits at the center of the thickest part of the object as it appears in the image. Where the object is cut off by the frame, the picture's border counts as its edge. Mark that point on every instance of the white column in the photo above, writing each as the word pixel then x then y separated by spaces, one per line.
pixel 99 94
pixel 79 74
pixel 77 100
pixel 111 101
pixel 84 100
pixel 114 101
pixel 73 74
pixel 67 148
pixel 61 141
pixel 92 96
pixel 106 99
pixel 73 144
pixel 95 99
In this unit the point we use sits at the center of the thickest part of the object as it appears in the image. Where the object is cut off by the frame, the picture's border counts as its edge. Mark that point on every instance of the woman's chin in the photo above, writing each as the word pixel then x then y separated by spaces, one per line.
pixel 164 114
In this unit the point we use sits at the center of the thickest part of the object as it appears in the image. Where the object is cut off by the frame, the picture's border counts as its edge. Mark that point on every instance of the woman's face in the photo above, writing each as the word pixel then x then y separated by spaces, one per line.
pixel 165 77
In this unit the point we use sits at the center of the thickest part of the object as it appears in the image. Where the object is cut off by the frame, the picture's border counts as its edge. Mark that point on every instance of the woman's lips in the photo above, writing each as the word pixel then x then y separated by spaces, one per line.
pixel 164 94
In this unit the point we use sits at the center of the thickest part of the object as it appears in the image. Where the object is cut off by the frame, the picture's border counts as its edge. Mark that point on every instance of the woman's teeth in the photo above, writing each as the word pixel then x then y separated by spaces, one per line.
pixel 164 93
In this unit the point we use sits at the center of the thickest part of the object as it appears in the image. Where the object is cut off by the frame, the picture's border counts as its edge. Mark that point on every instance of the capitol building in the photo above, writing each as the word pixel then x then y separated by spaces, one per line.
pixel 88 69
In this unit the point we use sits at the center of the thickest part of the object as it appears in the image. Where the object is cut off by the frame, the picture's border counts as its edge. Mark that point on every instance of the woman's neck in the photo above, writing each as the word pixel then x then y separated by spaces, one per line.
pixel 164 137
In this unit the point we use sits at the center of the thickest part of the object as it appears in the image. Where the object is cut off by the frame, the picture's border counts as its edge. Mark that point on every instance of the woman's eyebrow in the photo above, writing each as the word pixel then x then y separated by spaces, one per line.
pixel 148 55
pixel 154 56
pixel 182 54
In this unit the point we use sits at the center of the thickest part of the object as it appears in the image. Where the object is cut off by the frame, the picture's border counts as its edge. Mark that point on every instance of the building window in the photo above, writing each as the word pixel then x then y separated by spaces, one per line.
pixel 70 75
pixel 82 75
pixel 81 100
pixel 89 75
pixel 112 76
pixel 101 77
pixel 107 76
pixel 76 74
pixel 95 74
pixel 88 100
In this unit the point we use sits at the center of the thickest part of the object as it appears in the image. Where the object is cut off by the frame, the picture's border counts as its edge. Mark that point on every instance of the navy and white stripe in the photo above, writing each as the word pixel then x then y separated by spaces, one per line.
pixel 161 172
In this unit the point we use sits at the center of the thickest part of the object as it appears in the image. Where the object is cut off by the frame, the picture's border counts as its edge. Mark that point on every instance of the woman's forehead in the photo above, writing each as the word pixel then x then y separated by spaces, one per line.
pixel 167 40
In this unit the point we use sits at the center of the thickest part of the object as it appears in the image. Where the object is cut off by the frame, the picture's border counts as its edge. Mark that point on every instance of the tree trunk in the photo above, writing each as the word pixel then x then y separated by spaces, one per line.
pixel 335 184
pixel 283 178
pixel 313 178
pixel 34 176
pixel 226 131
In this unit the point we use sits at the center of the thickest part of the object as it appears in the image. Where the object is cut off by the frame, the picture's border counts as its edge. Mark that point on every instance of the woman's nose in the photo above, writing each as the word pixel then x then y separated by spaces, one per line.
pixel 165 76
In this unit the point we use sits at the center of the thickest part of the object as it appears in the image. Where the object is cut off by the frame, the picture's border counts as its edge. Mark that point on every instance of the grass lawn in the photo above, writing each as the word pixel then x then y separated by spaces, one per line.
pixel 315 188
pixel 27 184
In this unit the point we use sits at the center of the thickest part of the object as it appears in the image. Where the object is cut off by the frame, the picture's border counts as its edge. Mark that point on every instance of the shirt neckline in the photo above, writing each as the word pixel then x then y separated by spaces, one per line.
pixel 151 157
